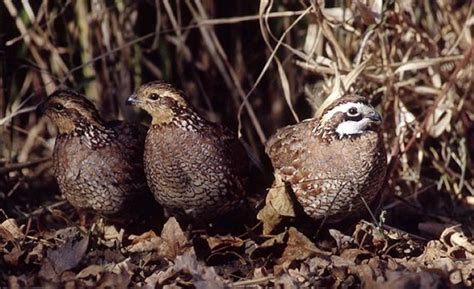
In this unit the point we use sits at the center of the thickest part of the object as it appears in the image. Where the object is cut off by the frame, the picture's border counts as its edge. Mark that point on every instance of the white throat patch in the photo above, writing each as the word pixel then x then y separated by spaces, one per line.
pixel 351 127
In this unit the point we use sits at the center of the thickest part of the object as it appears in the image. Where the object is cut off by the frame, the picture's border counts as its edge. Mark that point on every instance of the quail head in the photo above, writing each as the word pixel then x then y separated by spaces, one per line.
pixel 333 163
pixel 97 164
pixel 195 169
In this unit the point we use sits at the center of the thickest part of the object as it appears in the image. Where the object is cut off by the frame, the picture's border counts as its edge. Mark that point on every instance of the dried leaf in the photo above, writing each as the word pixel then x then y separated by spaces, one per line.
pixel 202 276
pixel 159 277
pixel 341 239
pixel 341 262
pixel 111 280
pixel 11 234
pixel 402 279
pixel 36 254
pixel 10 231
pixel 92 270
pixel 454 236
pixel 217 241
pixel 277 239
pixel 124 268
pixel 66 256
pixel 146 242
pixel 170 244
pixel 142 238
pixel 111 233
pixel 298 247
pixel 174 235
pixel 109 236
pixel 277 205
pixel 353 254
pixel 13 255
pixel 434 250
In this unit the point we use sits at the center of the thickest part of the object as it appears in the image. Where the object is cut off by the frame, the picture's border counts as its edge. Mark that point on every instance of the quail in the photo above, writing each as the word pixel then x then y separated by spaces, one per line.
pixel 196 169
pixel 97 164
pixel 333 163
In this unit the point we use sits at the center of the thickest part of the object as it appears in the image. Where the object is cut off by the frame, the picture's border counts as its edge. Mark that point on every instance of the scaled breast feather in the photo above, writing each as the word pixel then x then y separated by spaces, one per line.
pixel 282 146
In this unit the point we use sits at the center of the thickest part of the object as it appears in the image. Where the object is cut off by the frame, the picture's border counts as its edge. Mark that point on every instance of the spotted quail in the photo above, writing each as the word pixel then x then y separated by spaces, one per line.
pixel 196 169
pixel 98 165
pixel 335 163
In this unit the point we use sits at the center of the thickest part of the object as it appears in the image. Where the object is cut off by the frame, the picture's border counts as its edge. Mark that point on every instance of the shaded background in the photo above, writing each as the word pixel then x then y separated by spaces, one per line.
pixel 215 53
pixel 418 72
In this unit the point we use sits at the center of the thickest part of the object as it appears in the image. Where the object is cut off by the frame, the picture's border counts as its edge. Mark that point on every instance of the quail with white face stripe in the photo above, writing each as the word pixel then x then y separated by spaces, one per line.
pixel 333 164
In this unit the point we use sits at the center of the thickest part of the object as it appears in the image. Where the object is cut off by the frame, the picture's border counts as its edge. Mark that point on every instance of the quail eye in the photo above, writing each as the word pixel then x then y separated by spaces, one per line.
pixel 58 106
pixel 153 96
pixel 352 111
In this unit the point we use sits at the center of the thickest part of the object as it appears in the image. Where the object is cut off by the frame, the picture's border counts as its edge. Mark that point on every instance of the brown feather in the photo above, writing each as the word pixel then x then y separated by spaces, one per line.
pixel 98 164
pixel 195 168
pixel 329 174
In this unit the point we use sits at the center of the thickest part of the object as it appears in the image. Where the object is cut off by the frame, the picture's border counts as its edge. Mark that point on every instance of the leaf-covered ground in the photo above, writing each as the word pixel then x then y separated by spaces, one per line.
pixel 105 255
pixel 254 66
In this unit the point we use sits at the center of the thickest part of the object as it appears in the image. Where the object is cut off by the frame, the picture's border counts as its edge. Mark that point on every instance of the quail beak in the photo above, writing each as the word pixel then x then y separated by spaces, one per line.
pixel 374 116
pixel 132 100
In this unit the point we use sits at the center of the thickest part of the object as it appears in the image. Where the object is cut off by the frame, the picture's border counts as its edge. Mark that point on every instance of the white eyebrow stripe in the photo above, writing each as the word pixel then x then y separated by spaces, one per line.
pixel 342 108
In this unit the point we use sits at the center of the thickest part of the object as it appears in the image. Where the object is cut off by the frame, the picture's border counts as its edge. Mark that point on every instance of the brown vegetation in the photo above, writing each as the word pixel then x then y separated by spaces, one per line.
pixel 254 66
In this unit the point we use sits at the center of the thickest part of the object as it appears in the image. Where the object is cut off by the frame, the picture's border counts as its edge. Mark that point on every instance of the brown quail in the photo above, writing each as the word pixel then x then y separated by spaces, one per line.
pixel 195 168
pixel 335 163
pixel 98 165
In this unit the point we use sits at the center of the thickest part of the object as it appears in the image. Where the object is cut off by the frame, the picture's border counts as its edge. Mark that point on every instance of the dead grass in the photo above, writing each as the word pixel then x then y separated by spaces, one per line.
pixel 254 66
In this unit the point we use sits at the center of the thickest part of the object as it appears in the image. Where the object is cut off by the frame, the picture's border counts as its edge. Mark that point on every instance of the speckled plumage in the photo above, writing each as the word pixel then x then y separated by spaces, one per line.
pixel 98 165
pixel 330 173
pixel 196 169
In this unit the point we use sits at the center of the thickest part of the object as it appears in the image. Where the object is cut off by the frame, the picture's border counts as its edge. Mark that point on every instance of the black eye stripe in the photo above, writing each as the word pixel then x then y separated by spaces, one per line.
pixel 354 118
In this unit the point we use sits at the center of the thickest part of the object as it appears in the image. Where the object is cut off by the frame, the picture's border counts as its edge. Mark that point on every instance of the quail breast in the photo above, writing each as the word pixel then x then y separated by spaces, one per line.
pixel 334 164
pixel 196 169
pixel 97 164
